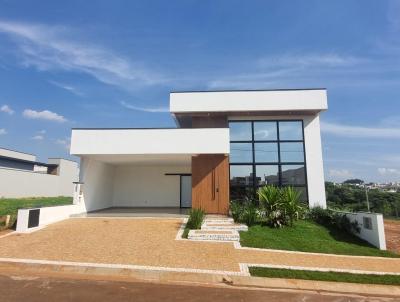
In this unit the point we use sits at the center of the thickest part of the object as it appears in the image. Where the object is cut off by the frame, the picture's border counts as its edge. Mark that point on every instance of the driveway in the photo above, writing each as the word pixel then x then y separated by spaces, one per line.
pixel 151 242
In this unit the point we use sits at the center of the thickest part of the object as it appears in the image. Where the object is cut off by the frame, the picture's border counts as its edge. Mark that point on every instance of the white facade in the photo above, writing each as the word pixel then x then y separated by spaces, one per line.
pixel 149 141
pixel 249 101
pixel 16 183
pixel 129 167
pixel 17 154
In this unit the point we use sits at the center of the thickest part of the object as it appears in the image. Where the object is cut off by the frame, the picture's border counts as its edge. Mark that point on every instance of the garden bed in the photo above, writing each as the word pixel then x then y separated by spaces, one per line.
pixel 308 236
pixel 325 276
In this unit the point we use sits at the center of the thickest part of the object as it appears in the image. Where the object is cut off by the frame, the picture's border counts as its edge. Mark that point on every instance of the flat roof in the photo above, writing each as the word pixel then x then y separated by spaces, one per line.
pixel 234 101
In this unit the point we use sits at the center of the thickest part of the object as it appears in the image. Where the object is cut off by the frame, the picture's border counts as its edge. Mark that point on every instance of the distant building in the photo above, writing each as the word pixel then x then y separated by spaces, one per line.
pixel 21 175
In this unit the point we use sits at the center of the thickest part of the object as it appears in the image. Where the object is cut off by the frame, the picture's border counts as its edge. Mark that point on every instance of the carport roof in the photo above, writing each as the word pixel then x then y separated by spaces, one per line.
pixel 128 142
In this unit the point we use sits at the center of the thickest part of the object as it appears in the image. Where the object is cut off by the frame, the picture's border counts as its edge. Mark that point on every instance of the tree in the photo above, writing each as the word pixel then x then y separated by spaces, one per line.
pixel 354 181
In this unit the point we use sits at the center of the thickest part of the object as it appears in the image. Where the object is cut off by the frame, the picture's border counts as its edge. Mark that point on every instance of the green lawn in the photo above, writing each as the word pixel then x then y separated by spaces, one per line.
pixel 324 276
pixel 10 206
pixel 307 236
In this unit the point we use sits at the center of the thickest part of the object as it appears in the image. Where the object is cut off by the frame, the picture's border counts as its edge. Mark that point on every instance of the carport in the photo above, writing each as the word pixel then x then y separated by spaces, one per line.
pixel 134 171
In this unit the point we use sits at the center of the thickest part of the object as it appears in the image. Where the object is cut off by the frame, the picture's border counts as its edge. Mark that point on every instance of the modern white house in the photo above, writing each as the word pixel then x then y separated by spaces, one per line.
pixel 225 146
pixel 21 175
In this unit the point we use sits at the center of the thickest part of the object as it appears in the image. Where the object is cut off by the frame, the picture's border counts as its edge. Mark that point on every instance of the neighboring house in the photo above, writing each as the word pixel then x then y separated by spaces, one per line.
pixel 22 176
pixel 226 145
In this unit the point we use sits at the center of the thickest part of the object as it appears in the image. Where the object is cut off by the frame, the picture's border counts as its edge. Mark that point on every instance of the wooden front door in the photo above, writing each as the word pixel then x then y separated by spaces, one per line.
pixel 210 183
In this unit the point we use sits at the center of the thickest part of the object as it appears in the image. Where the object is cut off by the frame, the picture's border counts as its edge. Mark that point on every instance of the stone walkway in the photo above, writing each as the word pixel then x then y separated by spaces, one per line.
pixel 218 229
pixel 152 243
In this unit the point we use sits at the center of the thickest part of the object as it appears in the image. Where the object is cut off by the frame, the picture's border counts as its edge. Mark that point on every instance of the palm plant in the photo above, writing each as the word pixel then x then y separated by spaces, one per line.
pixel 291 203
pixel 271 204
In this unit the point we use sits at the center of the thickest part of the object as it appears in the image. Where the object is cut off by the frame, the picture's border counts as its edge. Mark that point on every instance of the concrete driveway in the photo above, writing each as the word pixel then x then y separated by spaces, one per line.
pixel 151 242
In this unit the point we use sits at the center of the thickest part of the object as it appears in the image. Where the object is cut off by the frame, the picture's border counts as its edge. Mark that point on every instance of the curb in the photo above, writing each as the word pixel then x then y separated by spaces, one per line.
pixel 213 279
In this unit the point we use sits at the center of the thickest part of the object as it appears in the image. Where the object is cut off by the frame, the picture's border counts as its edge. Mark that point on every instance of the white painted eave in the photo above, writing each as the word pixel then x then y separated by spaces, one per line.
pixel 313 100
pixel 149 141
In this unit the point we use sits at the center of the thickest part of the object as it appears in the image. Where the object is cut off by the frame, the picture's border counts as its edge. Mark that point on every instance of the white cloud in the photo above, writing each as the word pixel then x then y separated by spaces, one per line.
pixel 311 60
pixel 38 137
pixel 341 173
pixel 360 131
pixel 56 48
pixel 44 115
pixel 3 131
pixel 153 110
pixel 42 131
pixel 66 87
pixel 6 109
pixel 66 143
pixel 388 171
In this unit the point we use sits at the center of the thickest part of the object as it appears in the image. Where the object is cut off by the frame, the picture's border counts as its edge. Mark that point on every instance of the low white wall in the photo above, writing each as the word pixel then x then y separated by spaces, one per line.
pixel 147 186
pixel 47 215
pixel 376 234
pixel 20 183
pixel 97 188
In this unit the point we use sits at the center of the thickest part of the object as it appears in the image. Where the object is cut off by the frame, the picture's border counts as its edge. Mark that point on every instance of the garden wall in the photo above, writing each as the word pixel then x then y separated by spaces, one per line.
pixel 371 228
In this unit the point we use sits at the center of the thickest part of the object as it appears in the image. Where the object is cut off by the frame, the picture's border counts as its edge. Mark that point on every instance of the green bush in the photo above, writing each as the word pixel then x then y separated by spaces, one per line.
pixel 333 219
pixel 236 208
pixel 279 206
pixel 196 217
pixel 250 214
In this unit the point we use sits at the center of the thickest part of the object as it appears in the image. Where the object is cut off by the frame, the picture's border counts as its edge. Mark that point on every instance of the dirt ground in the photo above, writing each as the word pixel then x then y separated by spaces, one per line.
pixel 392 232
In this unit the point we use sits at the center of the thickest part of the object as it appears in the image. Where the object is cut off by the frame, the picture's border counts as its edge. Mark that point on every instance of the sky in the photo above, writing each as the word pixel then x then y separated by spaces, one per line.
pixel 66 64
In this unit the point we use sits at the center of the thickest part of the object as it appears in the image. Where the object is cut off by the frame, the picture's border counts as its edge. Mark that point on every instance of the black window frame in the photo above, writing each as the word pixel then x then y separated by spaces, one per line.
pixel 279 163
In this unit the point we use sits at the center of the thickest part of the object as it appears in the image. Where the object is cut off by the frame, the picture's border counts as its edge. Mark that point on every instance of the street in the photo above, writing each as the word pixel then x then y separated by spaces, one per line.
pixel 39 288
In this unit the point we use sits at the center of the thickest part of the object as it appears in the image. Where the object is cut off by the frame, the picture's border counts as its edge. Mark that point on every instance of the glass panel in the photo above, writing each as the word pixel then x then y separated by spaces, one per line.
pixel 303 192
pixel 240 193
pixel 265 131
pixel 241 153
pixel 267 175
pixel 266 152
pixel 292 152
pixel 290 130
pixel 293 175
pixel 241 175
pixel 240 131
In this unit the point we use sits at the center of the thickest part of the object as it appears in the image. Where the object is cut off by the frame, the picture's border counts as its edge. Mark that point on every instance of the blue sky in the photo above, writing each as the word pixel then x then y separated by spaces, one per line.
pixel 112 64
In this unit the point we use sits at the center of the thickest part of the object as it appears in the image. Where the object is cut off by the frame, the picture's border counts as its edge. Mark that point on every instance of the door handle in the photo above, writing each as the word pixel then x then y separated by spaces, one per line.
pixel 217 190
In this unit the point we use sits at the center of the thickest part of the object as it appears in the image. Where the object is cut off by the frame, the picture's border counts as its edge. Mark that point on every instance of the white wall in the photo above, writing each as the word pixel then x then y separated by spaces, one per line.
pixel 47 216
pixel 245 101
pixel 315 167
pixel 375 235
pixel 147 186
pixel 20 183
pixel 16 154
pixel 149 141
pixel 97 178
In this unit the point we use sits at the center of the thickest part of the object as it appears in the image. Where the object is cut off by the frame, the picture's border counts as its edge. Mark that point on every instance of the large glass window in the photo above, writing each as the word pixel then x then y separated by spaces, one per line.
pixel 266 153
pixel 241 153
pixel 292 152
pixel 240 131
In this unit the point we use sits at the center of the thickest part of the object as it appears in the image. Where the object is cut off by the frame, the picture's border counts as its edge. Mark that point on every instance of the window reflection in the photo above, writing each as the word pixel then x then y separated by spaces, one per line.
pixel 265 131
pixel 241 175
pixel 290 130
pixel 292 152
pixel 293 175
pixel 241 153
pixel 267 175
pixel 266 152
pixel 240 131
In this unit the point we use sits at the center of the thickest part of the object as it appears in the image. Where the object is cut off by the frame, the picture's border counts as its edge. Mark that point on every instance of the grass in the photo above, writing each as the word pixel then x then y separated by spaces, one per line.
pixel 185 233
pixel 10 206
pixel 325 276
pixel 307 236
